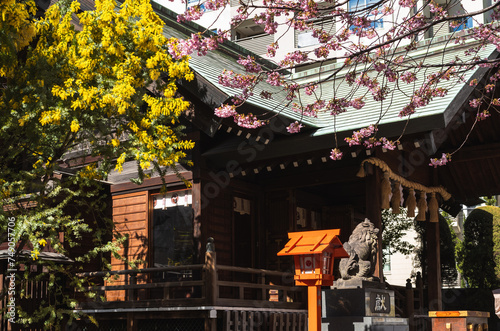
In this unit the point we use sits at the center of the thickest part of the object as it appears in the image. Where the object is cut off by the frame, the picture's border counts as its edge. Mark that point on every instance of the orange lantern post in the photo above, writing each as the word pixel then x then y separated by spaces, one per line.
pixel 314 253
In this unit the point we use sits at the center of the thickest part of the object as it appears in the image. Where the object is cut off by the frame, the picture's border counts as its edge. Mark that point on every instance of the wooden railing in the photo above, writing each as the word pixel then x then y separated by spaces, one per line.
pixel 409 303
pixel 195 285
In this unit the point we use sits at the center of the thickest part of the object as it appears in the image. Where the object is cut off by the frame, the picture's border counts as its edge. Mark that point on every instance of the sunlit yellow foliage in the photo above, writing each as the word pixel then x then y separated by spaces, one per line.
pixel 17 32
pixel 93 82
pixel 74 105
pixel 90 172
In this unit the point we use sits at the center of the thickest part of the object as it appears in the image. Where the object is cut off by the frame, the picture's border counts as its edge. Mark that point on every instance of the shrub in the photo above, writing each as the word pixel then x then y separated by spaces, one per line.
pixel 479 253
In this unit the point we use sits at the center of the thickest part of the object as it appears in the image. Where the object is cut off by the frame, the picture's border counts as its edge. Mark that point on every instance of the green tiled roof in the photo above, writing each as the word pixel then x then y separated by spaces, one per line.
pixel 212 65
pixel 400 96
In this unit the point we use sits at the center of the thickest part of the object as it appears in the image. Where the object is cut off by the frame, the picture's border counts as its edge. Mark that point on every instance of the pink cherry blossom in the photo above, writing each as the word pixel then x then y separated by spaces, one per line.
pixel 250 64
pixel 226 111
pixel 482 115
pixel 445 158
pixel 309 90
pixel 336 154
pixel 475 103
pixel 248 121
pixel 294 127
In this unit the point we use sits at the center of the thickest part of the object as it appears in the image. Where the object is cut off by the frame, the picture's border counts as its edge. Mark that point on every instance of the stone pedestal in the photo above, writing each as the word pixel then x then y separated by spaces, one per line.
pixel 360 306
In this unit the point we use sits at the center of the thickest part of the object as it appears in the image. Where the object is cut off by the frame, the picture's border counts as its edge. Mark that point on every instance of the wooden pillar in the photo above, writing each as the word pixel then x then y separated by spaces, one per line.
pixel 434 266
pixel 314 307
pixel 211 286
pixel 197 234
pixel 131 322
pixel 410 305
pixel 373 211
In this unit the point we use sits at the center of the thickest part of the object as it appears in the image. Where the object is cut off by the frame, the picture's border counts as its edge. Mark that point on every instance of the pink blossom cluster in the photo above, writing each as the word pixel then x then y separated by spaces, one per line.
pixel 357 103
pixel 371 142
pixel 388 144
pixel 336 154
pixel 229 78
pixel 414 23
pixel 322 36
pixel 379 66
pixel 292 90
pixel 322 52
pixel 407 3
pixel 438 11
pixel 202 45
pixel 215 4
pixel 482 115
pixel 309 89
pixel 358 136
pixel 193 13
pixel 248 121
pixel 421 98
pixel 225 111
pixel 380 93
pixel 489 88
pixel 495 77
pixel 266 95
pixel 360 22
pixel 274 78
pixel 391 75
pixel 267 19
pixel 310 110
pixel 294 127
pixel 475 103
pixel 445 158
pixel 367 81
pixel 300 24
pixel 250 64
pixel 408 77
pixel 337 106
pixel 271 49
pixel 293 58
pixel 238 18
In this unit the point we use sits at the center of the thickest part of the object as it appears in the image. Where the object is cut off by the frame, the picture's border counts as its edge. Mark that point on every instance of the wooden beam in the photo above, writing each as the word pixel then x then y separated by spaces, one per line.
pixel 373 213
pixel 477 153
pixel 150 182
pixel 433 266
pixel 312 178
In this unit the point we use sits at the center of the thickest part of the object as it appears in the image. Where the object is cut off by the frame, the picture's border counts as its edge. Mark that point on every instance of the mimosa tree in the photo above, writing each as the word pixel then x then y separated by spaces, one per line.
pixel 79 101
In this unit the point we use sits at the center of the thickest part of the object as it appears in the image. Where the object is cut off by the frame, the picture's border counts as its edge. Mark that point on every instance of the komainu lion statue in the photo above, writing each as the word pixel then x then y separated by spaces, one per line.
pixel 362 250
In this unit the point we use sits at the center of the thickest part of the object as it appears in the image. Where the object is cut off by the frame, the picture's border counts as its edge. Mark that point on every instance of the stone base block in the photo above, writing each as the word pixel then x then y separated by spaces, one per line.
pixel 356 323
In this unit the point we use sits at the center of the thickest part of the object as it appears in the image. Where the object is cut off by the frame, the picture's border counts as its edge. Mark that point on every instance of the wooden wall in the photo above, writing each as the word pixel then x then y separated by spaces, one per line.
pixel 217 223
pixel 130 216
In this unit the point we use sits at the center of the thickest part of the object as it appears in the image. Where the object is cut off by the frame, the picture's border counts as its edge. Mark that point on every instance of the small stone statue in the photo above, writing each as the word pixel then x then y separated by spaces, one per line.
pixel 210 245
pixel 362 250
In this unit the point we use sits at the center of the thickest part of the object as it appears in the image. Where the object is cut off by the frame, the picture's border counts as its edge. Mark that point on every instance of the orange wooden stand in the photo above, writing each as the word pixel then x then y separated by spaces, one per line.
pixel 463 320
pixel 314 253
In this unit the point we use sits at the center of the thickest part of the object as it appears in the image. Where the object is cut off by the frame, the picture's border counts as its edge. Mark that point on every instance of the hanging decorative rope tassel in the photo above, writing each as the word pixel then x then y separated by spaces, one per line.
pixel 361 173
pixel 411 203
pixel 422 206
pixel 385 191
pixel 433 208
pixel 396 198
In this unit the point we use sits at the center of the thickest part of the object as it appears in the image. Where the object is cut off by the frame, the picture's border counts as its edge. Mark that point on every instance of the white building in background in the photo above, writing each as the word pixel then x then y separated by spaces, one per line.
pixel 252 36
pixel 399 267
